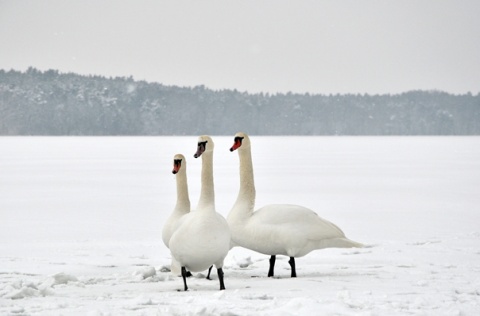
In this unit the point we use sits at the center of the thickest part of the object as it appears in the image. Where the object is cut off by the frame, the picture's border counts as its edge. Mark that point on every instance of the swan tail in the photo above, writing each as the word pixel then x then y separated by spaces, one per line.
pixel 340 243
pixel 354 244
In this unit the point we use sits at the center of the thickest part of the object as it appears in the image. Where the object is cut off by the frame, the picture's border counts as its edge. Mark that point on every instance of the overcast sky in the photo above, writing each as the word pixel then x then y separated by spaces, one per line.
pixel 331 46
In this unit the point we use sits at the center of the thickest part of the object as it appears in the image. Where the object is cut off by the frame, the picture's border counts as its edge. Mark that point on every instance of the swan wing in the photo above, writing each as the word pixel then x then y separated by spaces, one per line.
pixel 294 220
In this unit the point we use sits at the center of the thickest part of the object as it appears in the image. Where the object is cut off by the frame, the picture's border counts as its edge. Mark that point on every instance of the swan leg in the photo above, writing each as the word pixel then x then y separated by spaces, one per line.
pixel 184 276
pixel 272 265
pixel 292 265
pixel 209 271
pixel 189 274
pixel 220 278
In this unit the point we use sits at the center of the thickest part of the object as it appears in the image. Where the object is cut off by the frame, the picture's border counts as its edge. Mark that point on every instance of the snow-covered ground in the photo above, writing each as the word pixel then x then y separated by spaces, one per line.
pixel 81 219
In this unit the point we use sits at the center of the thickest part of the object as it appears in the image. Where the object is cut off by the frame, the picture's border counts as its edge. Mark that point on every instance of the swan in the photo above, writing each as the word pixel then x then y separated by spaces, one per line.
pixel 205 146
pixel 202 237
pixel 182 205
pixel 277 229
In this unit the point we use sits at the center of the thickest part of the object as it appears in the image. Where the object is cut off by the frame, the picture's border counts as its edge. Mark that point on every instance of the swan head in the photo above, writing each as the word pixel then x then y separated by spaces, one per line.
pixel 205 144
pixel 241 140
pixel 178 162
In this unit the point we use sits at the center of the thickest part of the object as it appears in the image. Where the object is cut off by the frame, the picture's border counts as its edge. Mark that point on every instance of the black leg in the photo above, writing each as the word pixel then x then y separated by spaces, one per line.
pixel 209 271
pixel 220 278
pixel 189 274
pixel 272 265
pixel 292 265
pixel 184 276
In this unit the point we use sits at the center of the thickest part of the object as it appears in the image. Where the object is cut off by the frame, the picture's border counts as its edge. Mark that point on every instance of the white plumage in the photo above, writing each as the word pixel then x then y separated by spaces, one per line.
pixel 277 229
pixel 202 237
pixel 182 205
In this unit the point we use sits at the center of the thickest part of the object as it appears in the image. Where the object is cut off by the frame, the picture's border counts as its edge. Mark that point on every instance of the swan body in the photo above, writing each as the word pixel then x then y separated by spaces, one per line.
pixel 277 229
pixel 202 237
pixel 201 240
pixel 289 230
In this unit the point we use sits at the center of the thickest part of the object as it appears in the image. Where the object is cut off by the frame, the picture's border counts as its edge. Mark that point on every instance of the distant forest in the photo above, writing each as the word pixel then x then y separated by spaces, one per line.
pixel 51 103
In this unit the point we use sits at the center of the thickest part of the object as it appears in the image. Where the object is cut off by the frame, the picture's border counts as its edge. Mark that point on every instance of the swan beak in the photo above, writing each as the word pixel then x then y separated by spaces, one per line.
pixel 200 149
pixel 236 144
pixel 198 153
pixel 177 163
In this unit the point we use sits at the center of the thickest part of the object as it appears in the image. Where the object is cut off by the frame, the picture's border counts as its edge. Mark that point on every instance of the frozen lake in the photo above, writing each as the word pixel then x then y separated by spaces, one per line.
pixel 81 220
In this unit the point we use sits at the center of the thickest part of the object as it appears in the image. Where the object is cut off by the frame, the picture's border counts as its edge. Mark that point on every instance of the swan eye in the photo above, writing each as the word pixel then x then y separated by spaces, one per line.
pixel 239 139
pixel 177 162
pixel 202 144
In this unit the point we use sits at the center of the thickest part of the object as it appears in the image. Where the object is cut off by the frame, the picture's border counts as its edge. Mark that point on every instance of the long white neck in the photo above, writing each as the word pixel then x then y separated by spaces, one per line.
pixel 183 200
pixel 207 193
pixel 245 202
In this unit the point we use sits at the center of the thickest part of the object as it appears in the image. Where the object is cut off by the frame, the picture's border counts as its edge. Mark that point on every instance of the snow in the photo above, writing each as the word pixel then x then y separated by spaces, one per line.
pixel 81 218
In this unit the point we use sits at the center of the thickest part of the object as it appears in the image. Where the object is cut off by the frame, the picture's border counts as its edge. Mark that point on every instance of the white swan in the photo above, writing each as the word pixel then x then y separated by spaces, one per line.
pixel 277 229
pixel 207 191
pixel 202 237
pixel 182 205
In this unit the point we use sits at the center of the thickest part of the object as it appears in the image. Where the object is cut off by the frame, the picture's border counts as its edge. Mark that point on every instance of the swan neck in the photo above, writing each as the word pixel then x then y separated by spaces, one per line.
pixel 207 192
pixel 183 200
pixel 246 196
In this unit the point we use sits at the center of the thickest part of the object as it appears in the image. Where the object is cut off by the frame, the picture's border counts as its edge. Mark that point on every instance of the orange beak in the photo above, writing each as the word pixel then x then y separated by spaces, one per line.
pixel 236 144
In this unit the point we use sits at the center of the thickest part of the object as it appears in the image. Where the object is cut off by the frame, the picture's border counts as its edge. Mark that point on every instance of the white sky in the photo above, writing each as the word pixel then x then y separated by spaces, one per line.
pixel 316 46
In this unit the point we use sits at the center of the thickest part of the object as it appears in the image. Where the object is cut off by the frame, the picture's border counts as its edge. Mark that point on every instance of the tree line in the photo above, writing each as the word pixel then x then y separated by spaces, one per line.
pixel 48 102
